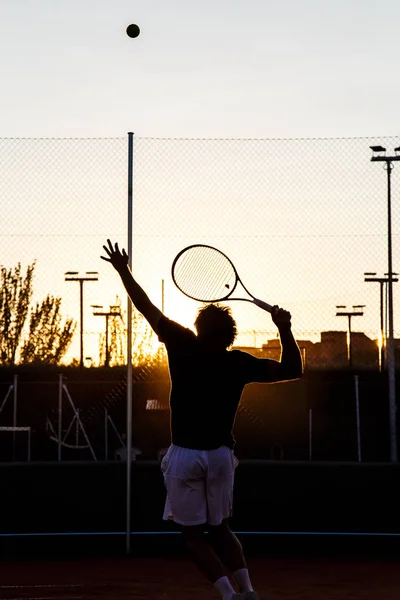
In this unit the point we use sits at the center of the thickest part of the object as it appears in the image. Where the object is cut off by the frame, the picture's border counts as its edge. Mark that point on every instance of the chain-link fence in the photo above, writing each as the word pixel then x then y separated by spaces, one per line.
pixel 303 220
pixel 61 198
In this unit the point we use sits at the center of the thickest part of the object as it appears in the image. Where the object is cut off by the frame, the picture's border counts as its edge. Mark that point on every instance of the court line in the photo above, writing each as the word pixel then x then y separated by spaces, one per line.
pixel 50 598
pixel 149 533
pixel 40 585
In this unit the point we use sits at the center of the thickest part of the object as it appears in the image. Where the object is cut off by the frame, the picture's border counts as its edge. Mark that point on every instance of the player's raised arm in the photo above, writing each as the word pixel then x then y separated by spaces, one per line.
pixel 138 296
pixel 290 365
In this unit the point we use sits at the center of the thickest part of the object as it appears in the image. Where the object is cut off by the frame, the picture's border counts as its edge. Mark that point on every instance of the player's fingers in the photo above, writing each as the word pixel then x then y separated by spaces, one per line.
pixel 107 250
pixel 104 258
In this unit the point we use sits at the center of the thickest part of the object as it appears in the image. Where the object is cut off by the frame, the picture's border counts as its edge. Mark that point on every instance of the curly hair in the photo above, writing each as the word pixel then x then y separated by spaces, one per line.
pixel 214 323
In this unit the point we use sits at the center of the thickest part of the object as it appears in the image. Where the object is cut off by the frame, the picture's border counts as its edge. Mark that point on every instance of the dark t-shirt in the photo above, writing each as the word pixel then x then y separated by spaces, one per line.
pixel 206 387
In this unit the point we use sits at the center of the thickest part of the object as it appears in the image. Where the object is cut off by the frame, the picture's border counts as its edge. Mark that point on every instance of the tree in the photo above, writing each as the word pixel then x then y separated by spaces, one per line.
pixel 48 339
pixel 15 298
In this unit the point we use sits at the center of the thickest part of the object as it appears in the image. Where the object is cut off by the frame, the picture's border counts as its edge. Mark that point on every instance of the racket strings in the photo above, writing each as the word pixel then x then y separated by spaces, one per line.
pixel 205 274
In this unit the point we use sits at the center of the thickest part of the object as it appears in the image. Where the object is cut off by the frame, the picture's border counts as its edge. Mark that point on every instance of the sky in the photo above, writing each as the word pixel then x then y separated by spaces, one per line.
pixel 254 68
pixel 314 81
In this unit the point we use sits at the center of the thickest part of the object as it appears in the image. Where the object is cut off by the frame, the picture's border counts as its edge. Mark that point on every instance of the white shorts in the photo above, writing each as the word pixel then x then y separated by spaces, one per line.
pixel 199 484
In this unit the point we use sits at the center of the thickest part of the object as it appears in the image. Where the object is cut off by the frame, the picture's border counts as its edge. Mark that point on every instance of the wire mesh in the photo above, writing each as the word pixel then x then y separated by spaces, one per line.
pixel 302 220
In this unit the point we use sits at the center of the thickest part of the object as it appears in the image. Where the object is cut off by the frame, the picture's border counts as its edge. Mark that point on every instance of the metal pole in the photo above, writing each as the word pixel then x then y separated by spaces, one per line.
pixel 106 434
pixel 349 347
pixel 14 413
pixel 370 277
pixel 391 349
pixel 386 318
pixel 107 349
pixel 81 320
pixel 129 353
pixel 60 391
pixel 355 313
pixel 77 427
pixel 74 276
pixel 76 416
pixel 357 418
pixel 382 348
pixel 379 155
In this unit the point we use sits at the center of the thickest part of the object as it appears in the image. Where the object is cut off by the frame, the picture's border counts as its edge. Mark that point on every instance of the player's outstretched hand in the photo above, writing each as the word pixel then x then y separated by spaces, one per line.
pixel 118 259
pixel 281 317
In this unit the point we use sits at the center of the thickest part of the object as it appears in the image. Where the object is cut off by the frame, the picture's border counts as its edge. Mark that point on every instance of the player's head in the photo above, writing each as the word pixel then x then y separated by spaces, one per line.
pixel 215 325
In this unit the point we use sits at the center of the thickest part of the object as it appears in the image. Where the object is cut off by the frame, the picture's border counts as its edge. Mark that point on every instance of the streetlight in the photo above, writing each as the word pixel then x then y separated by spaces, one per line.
pixel 74 276
pixel 356 312
pixel 394 275
pixel 113 312
pixel 379 155
pixel 371 277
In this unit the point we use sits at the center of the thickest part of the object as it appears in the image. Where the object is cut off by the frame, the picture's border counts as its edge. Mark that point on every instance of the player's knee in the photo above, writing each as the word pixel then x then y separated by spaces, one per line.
pixel 217 530
pixel 192 533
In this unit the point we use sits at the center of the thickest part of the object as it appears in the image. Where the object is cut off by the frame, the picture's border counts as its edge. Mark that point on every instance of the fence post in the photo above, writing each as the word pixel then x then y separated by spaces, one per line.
pixel 358 430
pixel 129 353
pixel 15 396
pixel 60 392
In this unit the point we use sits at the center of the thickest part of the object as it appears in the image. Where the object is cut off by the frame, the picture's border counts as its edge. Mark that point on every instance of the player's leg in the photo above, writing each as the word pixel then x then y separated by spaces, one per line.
pixel 207 560
pixel 228 548
pixel 220 483
pixel 184 478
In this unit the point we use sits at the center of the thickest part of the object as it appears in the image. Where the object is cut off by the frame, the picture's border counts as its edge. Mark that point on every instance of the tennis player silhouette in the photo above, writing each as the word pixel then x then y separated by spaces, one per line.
pixel 207 380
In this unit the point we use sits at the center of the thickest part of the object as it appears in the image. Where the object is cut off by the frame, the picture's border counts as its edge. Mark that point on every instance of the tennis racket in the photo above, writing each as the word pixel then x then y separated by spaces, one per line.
pixel 206 274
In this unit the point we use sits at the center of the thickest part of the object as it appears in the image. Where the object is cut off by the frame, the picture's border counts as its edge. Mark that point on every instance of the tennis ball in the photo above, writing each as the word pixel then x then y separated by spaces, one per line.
pixel 133 31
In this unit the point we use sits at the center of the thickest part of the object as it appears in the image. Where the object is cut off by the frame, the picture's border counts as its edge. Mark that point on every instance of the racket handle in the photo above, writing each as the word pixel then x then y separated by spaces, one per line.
pixel 263 305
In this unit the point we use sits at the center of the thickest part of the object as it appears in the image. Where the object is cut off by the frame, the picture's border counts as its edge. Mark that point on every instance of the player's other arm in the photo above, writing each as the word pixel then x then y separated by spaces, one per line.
pixel 138 296
pixel 290 365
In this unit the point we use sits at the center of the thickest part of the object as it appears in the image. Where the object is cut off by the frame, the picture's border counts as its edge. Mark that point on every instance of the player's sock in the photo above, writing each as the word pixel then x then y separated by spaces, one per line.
pixel 224 586
pixel 241 576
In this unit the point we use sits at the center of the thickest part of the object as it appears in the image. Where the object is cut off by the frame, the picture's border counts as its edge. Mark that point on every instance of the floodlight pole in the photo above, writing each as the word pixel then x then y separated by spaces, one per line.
pixel 74 276
pixel 379 155
pixel 113 312
pixel 371 277
pixel 349 315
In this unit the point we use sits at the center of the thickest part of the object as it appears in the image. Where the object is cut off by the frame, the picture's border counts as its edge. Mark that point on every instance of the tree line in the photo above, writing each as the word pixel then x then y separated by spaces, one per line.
pixel 47 338
pixel 39 334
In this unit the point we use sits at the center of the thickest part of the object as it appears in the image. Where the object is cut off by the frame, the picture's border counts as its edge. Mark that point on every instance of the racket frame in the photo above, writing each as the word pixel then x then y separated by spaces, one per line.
pixel 254 300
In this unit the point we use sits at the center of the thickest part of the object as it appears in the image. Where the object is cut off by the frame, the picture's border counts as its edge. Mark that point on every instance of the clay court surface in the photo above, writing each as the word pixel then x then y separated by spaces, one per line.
pixel 175 578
